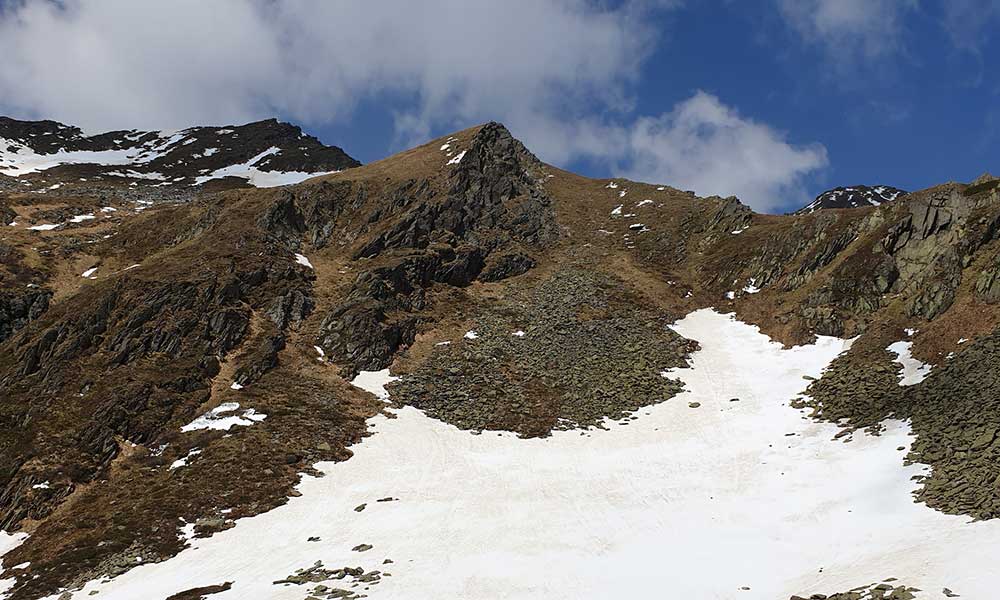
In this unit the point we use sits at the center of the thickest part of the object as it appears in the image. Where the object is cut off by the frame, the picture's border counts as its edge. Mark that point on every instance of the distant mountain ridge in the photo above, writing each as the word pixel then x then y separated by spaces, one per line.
pixel 261 154
pixel 853 197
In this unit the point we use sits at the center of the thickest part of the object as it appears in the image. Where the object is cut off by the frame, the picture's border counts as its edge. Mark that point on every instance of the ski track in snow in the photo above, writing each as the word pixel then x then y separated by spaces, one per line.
pixel 681 503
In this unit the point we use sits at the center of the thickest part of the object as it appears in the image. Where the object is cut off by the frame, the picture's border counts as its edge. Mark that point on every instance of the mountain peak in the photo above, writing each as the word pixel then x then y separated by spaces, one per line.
pixel 265 153
pixel 854 196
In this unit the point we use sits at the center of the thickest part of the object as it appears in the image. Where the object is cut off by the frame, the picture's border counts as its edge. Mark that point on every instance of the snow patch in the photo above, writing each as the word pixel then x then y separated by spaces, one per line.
pixel 45 227
pixel 914 371
pixel 183 461
pixel 374 382
pixel 257 177
pixel 302 260
pixel 220 419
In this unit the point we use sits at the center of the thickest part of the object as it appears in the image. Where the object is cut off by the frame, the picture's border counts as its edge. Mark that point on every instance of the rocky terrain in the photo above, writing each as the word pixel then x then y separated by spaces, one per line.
pixel 178 337
pixel 853 197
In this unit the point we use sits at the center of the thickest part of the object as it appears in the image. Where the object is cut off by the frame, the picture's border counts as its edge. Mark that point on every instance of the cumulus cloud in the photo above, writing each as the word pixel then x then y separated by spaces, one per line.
pixel 149 63
pixel 709 147
pixel 849 31
pixel 559 73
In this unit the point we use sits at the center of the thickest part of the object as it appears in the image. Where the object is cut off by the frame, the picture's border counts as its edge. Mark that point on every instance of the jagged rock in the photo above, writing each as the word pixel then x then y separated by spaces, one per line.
pixel 7 214
pixel 290 309
pixel 283 219
pixel 731 215
pixel 18 308
pixel 988 285
pixel 262 357
pixel 506 266
pixel 925 248
pixel 984 178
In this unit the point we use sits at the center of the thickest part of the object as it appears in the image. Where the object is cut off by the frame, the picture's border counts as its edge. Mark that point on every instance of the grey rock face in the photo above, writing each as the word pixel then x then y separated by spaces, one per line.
pixel 18 308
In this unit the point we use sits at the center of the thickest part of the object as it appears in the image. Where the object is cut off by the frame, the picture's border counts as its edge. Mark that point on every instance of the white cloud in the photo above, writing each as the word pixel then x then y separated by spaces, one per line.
pixel 147 63
pixel 708 147
pixel 849 31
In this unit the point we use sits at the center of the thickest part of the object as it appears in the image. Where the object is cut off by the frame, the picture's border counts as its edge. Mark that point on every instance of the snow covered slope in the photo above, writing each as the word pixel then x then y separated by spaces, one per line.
pixel 853 197
pixel 725 491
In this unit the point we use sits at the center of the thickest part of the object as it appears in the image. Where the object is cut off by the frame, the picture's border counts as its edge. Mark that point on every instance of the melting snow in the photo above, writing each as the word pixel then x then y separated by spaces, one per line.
pixel 518 333
pixel 217 418
pixel 458 158
pixel 82 218
pixel 613 185
pixel 319 351
pixel 41 486
pixel 89 273
pixel 617 210
pixel 914 371
pixel 45 227
pixel 471 335
pixel 714 502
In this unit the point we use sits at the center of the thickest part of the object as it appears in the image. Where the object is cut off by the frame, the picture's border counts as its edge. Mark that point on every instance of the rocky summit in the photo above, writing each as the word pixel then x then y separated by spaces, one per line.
pixel 224 344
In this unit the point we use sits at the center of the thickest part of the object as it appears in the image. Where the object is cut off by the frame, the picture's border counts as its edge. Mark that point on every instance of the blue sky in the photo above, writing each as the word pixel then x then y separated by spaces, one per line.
pixel 771 100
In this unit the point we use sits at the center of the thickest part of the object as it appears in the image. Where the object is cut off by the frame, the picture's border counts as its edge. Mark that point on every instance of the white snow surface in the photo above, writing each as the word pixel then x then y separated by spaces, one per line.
pixel 9 541
pixel 374 382
pixel 183 461
pixel 914 371
pixel 681 503
pixel 302 260
pixel 24 160
pixel 258 178
pixel 223 417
